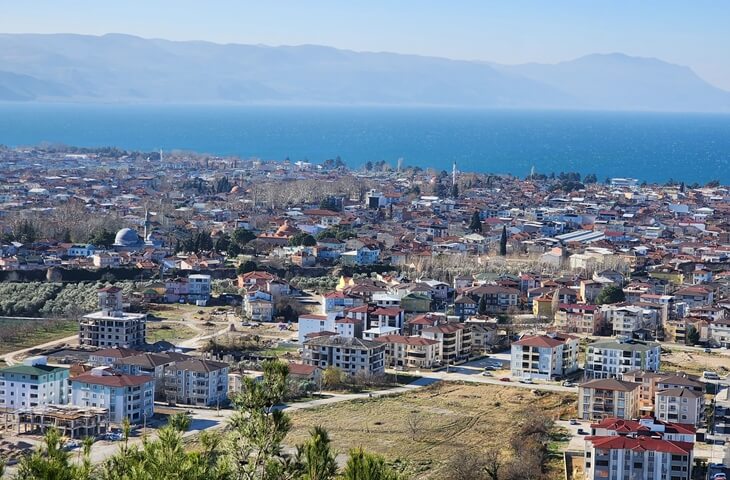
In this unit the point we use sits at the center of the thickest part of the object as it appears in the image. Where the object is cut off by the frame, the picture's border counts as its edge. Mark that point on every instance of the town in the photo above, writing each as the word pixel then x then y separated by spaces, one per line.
pixel 135 286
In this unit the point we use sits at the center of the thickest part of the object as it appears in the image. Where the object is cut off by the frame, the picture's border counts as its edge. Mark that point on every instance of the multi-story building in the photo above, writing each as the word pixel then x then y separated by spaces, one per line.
pixel 349 354
pixel 680 405
pixel 627 319
pixel 454 340
pixel 312 323
pixel 409 352
pixel 578 318
pixel 126 396
pixel 629 457
pixel 112 326
pixel 544 356
pixel 612 358
pixel 496 297
pixel 199 288
pixel 604 398
pixel 33 384
pixel 196 382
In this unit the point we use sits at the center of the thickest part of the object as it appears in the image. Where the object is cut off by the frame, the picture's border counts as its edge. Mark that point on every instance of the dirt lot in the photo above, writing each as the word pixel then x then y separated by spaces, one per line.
pixel 695 362
pixel 449 419
pixel 171 332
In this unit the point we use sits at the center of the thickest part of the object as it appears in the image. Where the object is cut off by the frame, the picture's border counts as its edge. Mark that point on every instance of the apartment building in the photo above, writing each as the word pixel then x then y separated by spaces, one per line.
pixel 627 319
pixel 33 384
pixel 126 396
pixel 544 356
pixel 409 352
pixel 196 382
pixel 604 398
pixel 454 340
pixel 613 358
pixel 680 405
pixel 634 456
pixel 111 326
pixel 349 354
pixel 578 318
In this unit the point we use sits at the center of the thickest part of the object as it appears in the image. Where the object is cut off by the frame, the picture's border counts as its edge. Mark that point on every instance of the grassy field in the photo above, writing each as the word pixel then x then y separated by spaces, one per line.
pixel 450 418
pixel 170 332
pixel 19 334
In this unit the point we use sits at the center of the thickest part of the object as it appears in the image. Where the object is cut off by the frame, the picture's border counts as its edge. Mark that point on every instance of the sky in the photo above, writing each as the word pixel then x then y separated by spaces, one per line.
pixel 693 33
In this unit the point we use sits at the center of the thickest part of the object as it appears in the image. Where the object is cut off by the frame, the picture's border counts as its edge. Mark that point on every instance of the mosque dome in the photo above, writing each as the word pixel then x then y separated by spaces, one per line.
pixel 127 237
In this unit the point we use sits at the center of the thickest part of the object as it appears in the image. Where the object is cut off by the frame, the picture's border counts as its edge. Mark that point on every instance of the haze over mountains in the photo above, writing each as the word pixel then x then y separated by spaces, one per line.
pixel 118 68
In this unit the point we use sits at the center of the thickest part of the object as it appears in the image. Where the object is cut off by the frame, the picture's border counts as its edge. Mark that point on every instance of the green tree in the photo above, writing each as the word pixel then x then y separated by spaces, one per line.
pixel 454 191
pixel 693 335
pixel 302 239
pixel 482 307
pixel 315 457
pixel 366 466
pixel 611 294
pixel 51 462
pixel 246 267
pixel 258 428
pixel 241 236
pixel 475 225
pixel 503 242
pixel 102 238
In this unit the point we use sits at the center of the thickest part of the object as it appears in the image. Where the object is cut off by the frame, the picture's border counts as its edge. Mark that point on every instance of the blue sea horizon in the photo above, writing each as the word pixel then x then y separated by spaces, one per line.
pixel 653 147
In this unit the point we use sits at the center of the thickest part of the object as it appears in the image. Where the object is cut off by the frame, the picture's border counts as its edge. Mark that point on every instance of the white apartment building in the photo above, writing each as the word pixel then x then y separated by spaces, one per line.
pixel 351 355
pixel 544 356
pixel 197 382
pixel 126 396
pixel 312 323
pixel 680 405
pixel 612 358
pixel 454 340
pixel 635 456
pixel 626 319
pixel 33 384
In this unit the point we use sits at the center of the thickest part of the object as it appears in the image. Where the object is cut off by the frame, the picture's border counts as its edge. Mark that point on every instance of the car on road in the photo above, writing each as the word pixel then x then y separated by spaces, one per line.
pixel 573 421
pixel 582 432
pixel 707 350
pixel 526 380
pixel 487 374
pixel 568 384
pixel 505 379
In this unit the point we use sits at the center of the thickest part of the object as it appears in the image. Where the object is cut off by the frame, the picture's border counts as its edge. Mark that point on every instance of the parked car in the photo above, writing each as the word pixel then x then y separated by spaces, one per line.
pixel 582 432
pixel 526 380
pixel 568 384
pixel 707 350
pixel 487 374
pixel 573 421
pixel 504 379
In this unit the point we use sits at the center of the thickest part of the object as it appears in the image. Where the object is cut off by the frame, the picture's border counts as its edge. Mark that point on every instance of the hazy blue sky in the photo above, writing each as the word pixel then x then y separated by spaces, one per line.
pixel 695 33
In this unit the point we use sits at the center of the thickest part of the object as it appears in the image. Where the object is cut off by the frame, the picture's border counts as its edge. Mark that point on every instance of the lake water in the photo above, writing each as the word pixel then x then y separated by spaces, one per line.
pixel 648 146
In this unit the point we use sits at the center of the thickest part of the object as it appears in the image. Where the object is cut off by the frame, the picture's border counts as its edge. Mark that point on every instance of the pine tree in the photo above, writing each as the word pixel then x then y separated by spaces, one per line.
pixel 482 308
pixel 475 225
pixel 503 242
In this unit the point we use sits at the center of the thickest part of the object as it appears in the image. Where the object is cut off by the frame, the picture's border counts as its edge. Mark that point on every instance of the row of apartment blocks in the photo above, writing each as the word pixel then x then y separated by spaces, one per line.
pixel 125 382
pixel 369 338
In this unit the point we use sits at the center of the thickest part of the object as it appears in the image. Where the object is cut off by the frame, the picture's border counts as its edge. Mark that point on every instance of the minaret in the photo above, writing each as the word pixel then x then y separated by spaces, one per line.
pixel 146 221
pixel 453 174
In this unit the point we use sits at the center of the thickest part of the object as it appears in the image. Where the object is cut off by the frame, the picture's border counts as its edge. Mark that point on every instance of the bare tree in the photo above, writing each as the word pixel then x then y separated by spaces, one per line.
pixel 415 424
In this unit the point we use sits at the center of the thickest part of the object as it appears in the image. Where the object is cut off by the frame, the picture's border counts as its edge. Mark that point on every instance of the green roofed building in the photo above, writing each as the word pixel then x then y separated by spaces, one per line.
pixel 33 383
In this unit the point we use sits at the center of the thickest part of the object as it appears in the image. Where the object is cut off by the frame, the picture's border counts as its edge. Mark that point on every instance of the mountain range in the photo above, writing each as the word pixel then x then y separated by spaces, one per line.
pixel 117 68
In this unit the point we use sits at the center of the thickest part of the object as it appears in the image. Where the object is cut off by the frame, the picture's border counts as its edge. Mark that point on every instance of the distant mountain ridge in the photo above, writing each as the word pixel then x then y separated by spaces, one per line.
pixel 117 68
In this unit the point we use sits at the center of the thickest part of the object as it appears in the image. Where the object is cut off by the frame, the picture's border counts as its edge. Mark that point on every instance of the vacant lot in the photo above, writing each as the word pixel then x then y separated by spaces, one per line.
pixel 695 362
pixel 170 332
pixel 19 334
pixel 430 426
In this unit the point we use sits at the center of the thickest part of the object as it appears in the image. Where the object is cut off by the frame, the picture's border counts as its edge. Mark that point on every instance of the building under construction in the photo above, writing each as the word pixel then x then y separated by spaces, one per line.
pixel 70 420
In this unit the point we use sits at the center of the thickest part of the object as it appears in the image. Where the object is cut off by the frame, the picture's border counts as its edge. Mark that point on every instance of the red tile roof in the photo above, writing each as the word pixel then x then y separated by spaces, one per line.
pixel 641 444
pixel 113 380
